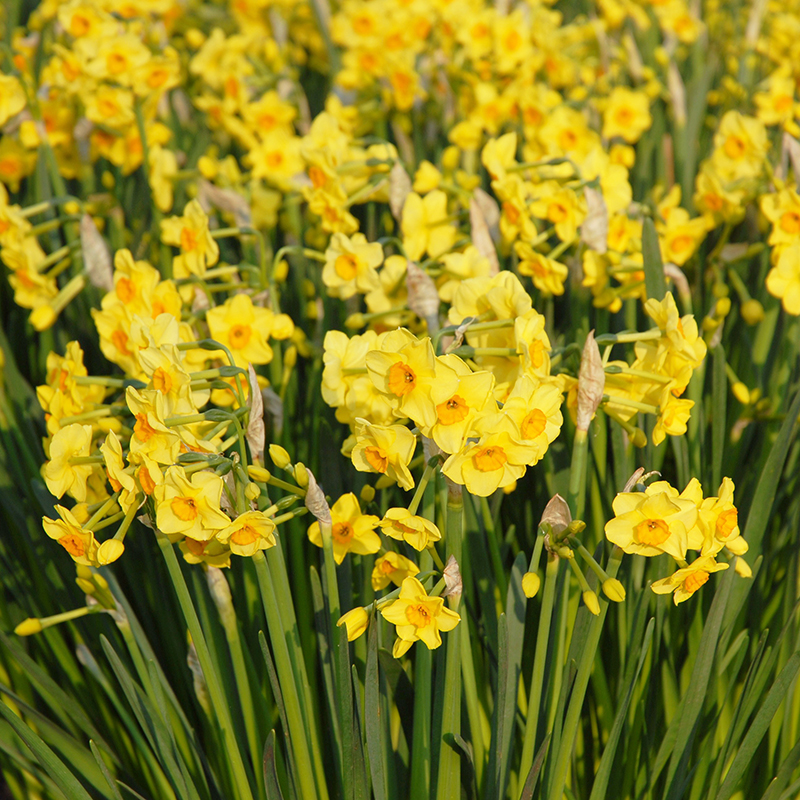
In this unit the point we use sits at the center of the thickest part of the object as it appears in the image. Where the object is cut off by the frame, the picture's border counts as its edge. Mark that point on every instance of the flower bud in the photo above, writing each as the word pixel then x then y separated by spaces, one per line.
pixel 530 584
pixel 638 438
pixel 301 475
pixel 43 317
pixel 252 492
pixel 592 603
pixel 752 312
pixel 259 474
pixel 28 627
pixel 86 586
pixel 367 494
pixel 281 271
pixel 280 458
pixel 614 590
pixel 355 322
pixel 355 622
pixel 109 551
pixel 741 393
pixel 722 307
pixel 290 357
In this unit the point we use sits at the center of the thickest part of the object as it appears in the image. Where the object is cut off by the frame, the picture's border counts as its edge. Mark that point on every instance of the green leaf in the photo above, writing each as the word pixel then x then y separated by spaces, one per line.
pixel 654 280
pixel 104 769
pixel 50 762
pixel 272 787
pixel 759 726
pixel 373 721
pixel 533 774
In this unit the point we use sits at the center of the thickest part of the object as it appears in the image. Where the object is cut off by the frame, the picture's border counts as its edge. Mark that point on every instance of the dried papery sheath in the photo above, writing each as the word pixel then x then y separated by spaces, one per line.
pixel 481 237
pixel 255 433
pixel 399 188
pixel 316 502
pixel 225 200
pixel 423 297
pixel 591 383
pixel 452 579
pixel 96 255
pixel 594 231
pixel 557 515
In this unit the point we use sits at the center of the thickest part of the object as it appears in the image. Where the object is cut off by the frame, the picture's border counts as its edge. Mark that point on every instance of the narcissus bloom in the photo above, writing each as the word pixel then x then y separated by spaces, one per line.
pixel 494 462
pixel 350 265
pixel 243 328
pixel 783 280
pixel 190 232
pixel 248 533
pixel 352 531
pixel 386 449
pixel 401 524
pixel 418 617
pixel 426 228
pixel 70 443
pixel 392 568
pixel 627 114
pixel 190 505
pixel 77 541
pixel 686 581
pixel 655 521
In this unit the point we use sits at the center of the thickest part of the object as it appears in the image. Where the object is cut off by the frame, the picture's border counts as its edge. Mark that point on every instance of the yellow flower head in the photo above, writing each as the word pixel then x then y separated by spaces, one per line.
pixel 425 225
pixel 151 437
pixel 783 280
pixel 686 581
pixel 350 265
pixel 61 476
pixel 384 449
pixel 352 530
pixel 401 524
pixel 548 275
pixel 496 461
pixel 626 114
pixel 190 232
pixel 190 505
pixel 392 568
pixel 418 617
pixel 243 328
pixel 77 541
pixel 121 480
pixel 655 521
pixel 248 533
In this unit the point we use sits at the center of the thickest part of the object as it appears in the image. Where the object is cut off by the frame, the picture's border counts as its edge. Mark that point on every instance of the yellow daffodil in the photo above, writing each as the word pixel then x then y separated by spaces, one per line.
pixel 350 265
pixel 548 275
pixel 652 522
pixel 191 234
pixel 71 442
pixel 151 437
pixel 409 375
pixel 248 533
pixel 77 541
pixel 783 280
pixel 686 581
pixel 189 505
pixel 352 530
pixel 401 524
pixel 392 568
pixel 120 478
pixel 418 617
pixel 426 228
pixel 496 461
pixel 384 449
pixel 626 114
pixel 243 328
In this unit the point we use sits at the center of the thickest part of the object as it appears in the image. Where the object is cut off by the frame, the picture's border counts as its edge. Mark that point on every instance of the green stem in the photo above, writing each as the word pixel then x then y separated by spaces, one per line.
pixel 296 735
pixel 577 473
pixel 218 700
pixel 448 785
pixel 539 664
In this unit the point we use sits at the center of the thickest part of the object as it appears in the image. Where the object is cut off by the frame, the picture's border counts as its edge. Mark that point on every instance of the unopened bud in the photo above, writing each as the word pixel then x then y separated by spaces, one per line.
pixel 722 307
pixel 741 393
pixel 301 475
pixel 614 590
pixel 638 438
pixel 384 482
pixel 280 458
pixel 252 492
pixel 28 627
pixel 592 603
pixel 355 622
pixel 752 312
pixel 530 584
pixel 259 474
pixel 110 551
pixel 355 322
pixel 290 357
pixel 367 494
pixel 281 271
pixel 86 586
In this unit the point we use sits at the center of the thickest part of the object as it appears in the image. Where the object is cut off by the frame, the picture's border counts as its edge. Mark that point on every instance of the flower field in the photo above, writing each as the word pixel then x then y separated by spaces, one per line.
pixel 330 331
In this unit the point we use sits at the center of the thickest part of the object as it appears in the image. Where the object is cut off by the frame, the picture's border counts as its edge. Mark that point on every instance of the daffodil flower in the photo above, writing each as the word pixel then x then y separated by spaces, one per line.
pixel 352 531
pixel 190 505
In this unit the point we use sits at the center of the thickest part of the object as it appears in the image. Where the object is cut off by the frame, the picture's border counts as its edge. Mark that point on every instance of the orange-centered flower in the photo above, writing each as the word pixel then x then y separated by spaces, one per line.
pixel 488 459
pixel 402 379
pixel 452 411
pixel 652 532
